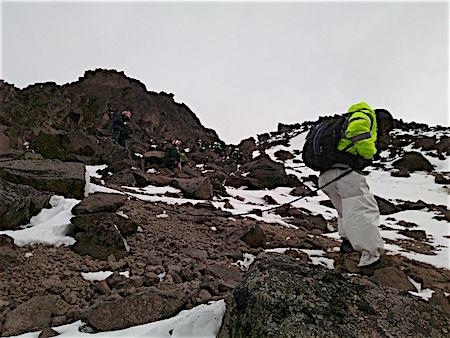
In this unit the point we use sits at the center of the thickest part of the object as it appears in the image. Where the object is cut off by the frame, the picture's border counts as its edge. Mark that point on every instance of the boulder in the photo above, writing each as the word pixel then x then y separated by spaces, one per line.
pixel 199 187
pixel 239 181
pixel 247 147
pixel 19 203
pixel 443 146
pixel 144 179
pixel 34 315
pixel 280 297
pixel 8 254
pixel 386 207
pixel 393 277
pixel 100 235
pixel 441 179
pixel 413 161
pixel 283 155
pixel 63 178
pixel 137 309
pixel 254 237
pixel 228 273
pixel 99 202
pixel 416 234
pixel 88 222
pixel 268 173
pixel 302 190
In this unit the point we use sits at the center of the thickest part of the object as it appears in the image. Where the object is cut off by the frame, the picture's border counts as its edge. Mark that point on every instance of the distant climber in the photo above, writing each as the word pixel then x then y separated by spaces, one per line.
pixel 174 158
pixel 120 131
pixel 358 213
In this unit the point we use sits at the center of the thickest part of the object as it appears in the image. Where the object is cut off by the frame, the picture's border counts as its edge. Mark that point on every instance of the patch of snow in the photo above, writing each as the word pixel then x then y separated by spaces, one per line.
pixel 96 276
pixel 246 262
pixel 28 255
pixel 163 215
pixel 213 228
pixel 127 247
pixel 49 226
pixel 102 182
pixel 151 171
pixel 126 274
pixel 138 155
pixel 256 153
pixel 406 188
pixel 161 276
pixel 122 214
pixel 139 229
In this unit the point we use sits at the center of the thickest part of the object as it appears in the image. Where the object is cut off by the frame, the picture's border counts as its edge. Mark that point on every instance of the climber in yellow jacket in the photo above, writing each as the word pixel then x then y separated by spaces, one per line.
pixel 358 213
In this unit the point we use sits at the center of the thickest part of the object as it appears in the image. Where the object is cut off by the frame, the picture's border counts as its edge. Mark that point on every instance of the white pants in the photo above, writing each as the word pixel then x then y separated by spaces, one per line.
pixel 358 213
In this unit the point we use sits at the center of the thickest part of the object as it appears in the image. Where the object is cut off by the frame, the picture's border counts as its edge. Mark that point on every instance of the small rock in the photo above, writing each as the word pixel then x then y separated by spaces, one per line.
pixel 204 296
pixel 393 277
pixel 254 237
pixel 48 332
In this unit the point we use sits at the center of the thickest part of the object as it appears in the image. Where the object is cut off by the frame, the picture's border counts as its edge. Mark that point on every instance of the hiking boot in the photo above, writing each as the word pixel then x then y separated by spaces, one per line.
pixel 346 246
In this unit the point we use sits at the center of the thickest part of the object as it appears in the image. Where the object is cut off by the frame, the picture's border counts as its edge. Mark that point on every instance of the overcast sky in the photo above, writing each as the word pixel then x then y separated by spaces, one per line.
pixel 242 67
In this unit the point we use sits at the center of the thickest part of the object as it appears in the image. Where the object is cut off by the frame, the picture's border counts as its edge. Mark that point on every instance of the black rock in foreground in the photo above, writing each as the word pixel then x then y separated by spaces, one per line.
pixel 280 297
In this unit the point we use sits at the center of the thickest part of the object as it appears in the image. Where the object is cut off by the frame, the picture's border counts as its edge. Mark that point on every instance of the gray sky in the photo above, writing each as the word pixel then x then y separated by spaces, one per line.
pixel 242 67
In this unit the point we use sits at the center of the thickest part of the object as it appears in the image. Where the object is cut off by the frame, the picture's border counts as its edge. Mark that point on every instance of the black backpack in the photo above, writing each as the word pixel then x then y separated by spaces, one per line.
pixel 320 148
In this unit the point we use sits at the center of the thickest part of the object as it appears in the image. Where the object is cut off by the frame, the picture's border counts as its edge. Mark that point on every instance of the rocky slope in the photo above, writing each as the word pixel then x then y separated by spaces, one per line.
pixel 108 244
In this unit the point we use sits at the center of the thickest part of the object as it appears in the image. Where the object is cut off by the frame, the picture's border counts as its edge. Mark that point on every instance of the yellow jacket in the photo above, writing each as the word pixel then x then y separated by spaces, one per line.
pixel 360 132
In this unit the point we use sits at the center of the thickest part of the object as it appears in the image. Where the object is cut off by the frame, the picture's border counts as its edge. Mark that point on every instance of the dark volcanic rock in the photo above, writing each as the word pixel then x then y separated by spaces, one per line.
pixel 254 237
pixel 8 254
pixel 393 277
pixel 443 146
pixel 247 147
pixel 100 235
pixel 19 203
pixel 413 161
pixel 280 297
pixel 200 187
pixel 268 173
pixel 283 155
pixel 33 315
pixel 99 202
pixel 84 106
pixel 137 309
pixel 302 190
pixel 239 181
pixel 386 207
pixel 64 178
pixel 88 222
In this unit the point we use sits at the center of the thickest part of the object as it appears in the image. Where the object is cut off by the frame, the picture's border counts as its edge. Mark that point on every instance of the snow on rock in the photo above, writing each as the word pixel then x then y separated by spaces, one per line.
pixel 49 226
pixel 316 256
pixel 246 262
pixel 425 294
pixel 202 321
pixel 102 275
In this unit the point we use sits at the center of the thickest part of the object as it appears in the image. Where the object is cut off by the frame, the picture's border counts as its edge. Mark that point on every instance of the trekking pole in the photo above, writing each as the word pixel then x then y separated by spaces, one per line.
pixel 287 203
pixel 301 197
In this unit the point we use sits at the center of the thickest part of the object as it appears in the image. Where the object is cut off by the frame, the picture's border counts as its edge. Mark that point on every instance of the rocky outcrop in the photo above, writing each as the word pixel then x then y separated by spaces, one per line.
pixel 199 188
pixel 137 309
pixel 268 173
pixel 34 315
pixel 280 297
pixel 63 178
pixel 102 234
pixel 84 106
pixel 77 146
pixel 99 202
pixel 19 203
